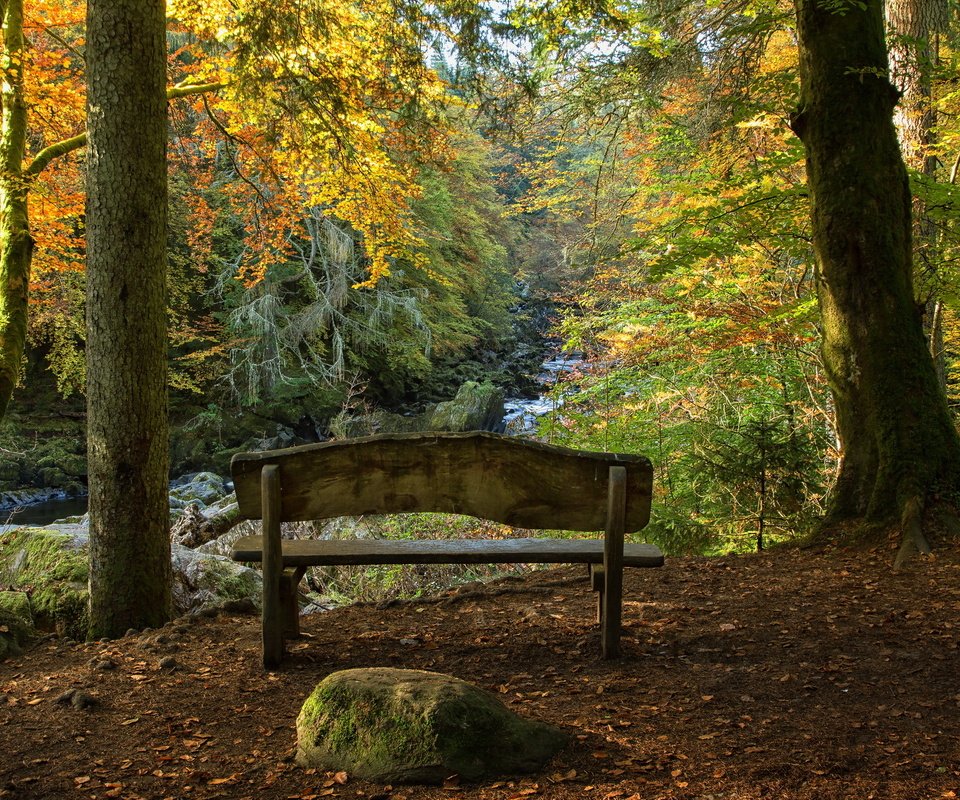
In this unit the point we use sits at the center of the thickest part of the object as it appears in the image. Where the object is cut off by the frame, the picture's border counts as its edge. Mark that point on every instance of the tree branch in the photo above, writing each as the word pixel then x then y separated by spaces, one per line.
pixel 42 159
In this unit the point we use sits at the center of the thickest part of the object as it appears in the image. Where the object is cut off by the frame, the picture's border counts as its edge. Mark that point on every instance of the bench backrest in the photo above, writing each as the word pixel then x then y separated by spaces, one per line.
pixel 502 478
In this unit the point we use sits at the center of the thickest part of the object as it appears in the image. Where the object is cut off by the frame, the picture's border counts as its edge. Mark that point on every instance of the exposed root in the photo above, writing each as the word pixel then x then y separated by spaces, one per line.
pixel 913 542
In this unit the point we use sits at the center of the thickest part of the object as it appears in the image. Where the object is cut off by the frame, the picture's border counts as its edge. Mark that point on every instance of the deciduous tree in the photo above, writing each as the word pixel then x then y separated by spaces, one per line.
pixel 901 454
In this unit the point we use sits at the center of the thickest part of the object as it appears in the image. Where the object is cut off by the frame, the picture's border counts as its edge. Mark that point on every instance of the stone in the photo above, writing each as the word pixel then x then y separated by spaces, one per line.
pixel 81 699
pixel 66 697
pixel 477 407
pixel 204 579
pixel 203 489
pixel 54 563
pixel 244 605
pixel 408 726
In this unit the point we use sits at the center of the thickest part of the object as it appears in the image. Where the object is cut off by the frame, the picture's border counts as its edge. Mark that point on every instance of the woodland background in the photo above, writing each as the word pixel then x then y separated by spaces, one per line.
pixel 373 202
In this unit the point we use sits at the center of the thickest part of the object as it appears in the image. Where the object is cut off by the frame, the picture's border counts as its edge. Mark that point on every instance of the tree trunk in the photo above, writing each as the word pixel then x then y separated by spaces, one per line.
pixel 126 217
pixel 16 244
pixel 900 451
pixel 912 26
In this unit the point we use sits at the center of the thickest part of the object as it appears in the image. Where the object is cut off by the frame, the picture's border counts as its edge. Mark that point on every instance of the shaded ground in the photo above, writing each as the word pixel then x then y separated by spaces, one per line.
pixel 787 675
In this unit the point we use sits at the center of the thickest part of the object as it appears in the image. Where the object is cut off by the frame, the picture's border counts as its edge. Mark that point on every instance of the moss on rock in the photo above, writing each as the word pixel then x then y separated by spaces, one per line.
pixel 16 623
pixel 477 407
pixel 408 726
pixel 53 567
pixel 204 579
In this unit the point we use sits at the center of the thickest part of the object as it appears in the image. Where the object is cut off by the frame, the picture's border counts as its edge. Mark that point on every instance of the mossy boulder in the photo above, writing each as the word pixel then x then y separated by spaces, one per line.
pixel 407 726
pixel 16 623
pixel 52 566
pixel 203 489
pixel 477 407
pixel 204 579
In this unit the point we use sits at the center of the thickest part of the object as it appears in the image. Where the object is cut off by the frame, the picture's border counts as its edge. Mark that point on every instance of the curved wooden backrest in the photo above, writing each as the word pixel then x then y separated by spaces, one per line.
pixel 502 478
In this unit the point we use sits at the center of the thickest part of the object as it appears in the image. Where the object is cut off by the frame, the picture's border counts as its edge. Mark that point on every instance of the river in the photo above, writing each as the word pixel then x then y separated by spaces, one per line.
pixel 44 513
pixel 521 417
pixel 522 414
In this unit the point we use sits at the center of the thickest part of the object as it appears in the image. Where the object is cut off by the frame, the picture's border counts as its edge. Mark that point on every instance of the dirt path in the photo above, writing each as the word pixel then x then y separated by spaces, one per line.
pixel 789 675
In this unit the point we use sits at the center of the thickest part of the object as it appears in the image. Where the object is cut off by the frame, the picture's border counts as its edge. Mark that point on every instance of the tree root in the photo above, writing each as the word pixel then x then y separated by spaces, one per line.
pixel 913 541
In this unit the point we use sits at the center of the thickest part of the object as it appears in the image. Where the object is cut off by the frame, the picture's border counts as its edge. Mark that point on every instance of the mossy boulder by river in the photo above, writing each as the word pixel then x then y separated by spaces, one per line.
pixel 51 565
pixel 408 726
pixel 477 407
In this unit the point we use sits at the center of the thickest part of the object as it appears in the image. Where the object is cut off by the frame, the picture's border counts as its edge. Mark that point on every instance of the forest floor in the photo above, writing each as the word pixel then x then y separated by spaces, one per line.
pixel 792 674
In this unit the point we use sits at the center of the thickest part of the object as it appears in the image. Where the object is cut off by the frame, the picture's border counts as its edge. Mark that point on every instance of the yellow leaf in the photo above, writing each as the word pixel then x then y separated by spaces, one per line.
pixel 222 781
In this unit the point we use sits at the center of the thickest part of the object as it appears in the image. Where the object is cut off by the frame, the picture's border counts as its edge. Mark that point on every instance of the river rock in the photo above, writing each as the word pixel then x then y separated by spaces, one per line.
pixel 204 579
pixel 26 497
pixel 407 726
pixel 203 489
pixel 54 563
pixel 477 407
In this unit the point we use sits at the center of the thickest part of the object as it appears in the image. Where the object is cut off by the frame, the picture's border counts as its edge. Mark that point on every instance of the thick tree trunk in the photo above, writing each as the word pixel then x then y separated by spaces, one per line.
pixel 900 450
pixel 16 244
pixel 130 574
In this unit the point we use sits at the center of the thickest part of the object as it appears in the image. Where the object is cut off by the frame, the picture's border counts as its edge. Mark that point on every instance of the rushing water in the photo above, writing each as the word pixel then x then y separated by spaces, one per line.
pixel 522 414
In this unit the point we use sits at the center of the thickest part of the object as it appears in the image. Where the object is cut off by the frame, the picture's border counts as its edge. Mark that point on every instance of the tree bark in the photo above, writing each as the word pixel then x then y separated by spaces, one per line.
pixel 912 26
pixel 126 218
pixel 16 244
pixel 900 452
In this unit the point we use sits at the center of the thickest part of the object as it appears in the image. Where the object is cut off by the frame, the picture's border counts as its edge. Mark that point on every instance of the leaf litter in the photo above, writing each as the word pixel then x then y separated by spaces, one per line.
pixel 793 674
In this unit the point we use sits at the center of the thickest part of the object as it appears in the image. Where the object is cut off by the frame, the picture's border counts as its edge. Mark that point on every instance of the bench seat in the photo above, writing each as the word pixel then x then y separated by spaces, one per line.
pixel 329 552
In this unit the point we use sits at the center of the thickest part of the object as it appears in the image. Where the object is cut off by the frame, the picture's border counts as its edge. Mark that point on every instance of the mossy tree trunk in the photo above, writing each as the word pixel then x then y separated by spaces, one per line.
pixel 16 244
pixel 901 454
pixel 126 218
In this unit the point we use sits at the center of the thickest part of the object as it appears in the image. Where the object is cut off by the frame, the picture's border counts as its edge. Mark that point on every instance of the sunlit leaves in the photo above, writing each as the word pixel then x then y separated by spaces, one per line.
pixel 328 105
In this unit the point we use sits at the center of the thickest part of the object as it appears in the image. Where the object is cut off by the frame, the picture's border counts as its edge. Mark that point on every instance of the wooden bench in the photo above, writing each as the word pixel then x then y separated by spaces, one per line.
pixel 505 479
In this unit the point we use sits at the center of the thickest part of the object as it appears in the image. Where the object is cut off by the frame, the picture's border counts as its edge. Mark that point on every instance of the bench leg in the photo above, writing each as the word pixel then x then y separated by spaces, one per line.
pixel 289 581
pixel 597 584
pixel 613 563
pixel 272 620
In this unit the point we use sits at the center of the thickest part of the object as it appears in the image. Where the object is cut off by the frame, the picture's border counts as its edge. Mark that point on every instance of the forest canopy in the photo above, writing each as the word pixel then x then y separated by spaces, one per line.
pixel 371 203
